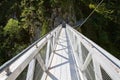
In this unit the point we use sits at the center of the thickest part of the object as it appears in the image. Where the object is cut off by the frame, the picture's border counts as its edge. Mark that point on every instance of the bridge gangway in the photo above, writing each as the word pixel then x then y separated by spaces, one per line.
pixel 62 54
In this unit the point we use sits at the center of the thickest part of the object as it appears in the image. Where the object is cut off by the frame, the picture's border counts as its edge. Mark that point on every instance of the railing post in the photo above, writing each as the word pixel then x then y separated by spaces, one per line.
pixel 47 53
pixel 53 41
pixel 30 72
pixel 52 45
pixel 80 53
pixel 98 75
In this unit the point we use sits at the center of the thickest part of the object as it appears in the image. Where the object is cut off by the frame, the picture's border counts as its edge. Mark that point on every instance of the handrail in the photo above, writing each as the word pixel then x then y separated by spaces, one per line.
pixel 92 60
pixel 88 57
pixel 8 63
pixel 114 60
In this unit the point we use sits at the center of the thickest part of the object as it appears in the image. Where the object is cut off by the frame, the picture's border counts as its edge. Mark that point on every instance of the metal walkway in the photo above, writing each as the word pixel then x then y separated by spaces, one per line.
pixel 63 65
pixel 62 54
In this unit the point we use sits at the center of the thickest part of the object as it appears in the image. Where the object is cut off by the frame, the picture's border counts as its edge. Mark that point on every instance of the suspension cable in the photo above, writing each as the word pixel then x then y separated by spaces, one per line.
pixel 92 12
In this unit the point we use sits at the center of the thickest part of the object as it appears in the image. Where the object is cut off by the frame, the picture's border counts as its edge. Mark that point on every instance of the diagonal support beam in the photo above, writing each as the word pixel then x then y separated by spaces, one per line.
pixel 41 62
pixel 87 61
pixel 31 68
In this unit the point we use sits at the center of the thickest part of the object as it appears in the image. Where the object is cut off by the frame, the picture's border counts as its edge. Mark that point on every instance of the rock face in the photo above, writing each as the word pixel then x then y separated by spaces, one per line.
pixel 59 15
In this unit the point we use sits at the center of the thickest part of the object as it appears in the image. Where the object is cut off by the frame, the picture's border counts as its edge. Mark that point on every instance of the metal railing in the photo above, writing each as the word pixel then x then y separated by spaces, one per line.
pixel 93 62
pixel 36 57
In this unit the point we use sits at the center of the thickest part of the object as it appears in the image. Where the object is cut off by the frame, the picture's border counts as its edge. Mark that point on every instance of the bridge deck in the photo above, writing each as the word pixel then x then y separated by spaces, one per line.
pixel 63 65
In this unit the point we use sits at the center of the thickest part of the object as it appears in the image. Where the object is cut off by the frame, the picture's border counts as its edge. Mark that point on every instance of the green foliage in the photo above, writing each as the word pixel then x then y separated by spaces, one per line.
pixel 92 6
pixel 12 27
pixel 44 28
pixel 105 24
pixel 103 37
pixel 19 20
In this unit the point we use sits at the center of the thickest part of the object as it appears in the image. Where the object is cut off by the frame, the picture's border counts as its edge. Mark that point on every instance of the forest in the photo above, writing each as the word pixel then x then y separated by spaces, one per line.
pixel 24 21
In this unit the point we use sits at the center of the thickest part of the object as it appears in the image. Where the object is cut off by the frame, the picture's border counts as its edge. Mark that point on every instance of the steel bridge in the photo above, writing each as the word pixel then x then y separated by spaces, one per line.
pixel 62 54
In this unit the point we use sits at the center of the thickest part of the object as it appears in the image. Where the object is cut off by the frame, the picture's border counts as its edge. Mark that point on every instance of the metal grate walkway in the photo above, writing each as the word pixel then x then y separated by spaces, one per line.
pixel 63 65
